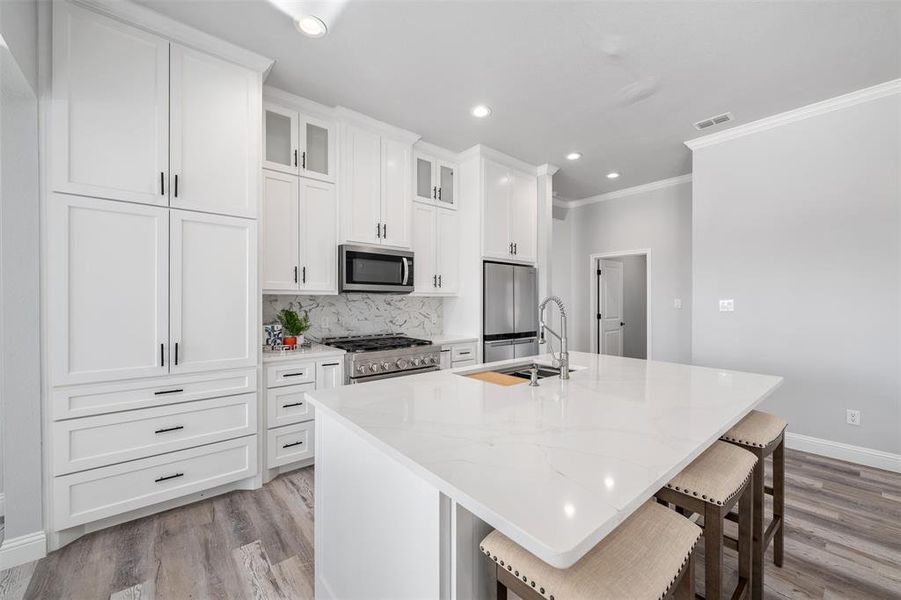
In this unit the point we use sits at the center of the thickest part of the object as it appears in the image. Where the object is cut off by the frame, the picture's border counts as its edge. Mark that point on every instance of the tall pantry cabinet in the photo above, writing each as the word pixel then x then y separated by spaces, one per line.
pixel 152 298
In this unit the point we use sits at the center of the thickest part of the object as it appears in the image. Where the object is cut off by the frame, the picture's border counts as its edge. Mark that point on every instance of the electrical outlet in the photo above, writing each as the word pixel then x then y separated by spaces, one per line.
pixel 853 417
pixel 727 305
pixel 677 302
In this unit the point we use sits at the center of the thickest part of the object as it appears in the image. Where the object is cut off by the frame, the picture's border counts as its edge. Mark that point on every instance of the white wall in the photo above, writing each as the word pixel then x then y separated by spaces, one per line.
pixel 19 271
pixel 635 306
pixel 658 219
pixel 800 226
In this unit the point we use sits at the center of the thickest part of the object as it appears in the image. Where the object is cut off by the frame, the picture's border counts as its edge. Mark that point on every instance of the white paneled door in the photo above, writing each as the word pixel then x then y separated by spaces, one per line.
pixel 318 236
pixel 214 134
pixel 110 109
pixel 362 181
pixel 279 232
pixel 107 289
pixel 396 161
pixel 523 216
pixel 610 319
pixel 448 255
pixel 213 292
pixel 496 211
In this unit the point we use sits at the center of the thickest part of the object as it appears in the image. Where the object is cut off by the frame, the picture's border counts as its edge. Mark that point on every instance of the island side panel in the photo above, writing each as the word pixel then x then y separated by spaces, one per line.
pixel 378 527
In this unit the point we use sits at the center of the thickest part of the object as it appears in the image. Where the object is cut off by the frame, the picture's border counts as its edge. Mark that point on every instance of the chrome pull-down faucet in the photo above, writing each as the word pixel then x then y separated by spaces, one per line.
pixel 562 362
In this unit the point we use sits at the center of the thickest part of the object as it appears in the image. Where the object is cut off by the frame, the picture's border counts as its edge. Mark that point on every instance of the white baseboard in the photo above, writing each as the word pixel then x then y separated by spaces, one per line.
pixel 23 549
pixel 855 454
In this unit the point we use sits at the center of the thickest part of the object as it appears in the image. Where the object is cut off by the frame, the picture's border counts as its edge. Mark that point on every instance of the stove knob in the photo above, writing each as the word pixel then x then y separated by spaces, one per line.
pixel 417 362
pixel 432 360
pixel 386 366
pixel 401 363
pixel 361 369
pixel 374 367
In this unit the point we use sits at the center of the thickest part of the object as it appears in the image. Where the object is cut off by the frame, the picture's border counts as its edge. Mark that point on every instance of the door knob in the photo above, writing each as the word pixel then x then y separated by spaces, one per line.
pixel 621 324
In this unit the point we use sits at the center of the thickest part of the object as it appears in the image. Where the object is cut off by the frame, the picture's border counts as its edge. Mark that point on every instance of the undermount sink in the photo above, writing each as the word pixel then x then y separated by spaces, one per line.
pixel 520 370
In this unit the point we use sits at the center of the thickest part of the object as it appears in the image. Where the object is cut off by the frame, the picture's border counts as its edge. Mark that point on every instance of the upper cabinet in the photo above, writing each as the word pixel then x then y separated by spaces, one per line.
pixel 374 191
pixel 436 245
pixel 297 143
pixel 140 119
pixel 435 180
pixel 510 214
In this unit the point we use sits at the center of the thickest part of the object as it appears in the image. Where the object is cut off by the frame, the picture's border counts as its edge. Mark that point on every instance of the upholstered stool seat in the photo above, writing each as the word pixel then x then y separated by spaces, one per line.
pixel 758 429
pixel 647 556
pixel 711 485
pixel 763 434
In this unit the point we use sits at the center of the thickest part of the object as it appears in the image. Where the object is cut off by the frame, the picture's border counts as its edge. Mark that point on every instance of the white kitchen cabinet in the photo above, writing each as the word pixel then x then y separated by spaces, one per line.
pixel 298 144
pixel 329 373
pixel 214 134
pixel 213 315
pixel 435 180
pixel 110 109
pixel 436 246
pixel 510 214
pixel 108 289
pixel 361 200
pixel 395 200
pixel 318 227
pixel 281 143
pixel 280 232
pixel 425 274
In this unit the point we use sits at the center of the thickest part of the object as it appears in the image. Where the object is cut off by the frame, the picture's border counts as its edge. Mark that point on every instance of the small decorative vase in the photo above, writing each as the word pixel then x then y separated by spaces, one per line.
pixel 289 341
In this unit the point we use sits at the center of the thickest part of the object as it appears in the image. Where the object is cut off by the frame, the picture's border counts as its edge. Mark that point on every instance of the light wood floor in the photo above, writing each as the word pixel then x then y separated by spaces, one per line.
pixel 843 540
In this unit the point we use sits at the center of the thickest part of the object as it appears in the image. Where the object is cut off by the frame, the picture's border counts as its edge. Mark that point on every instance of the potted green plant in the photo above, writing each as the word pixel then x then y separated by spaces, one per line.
pixel 294 326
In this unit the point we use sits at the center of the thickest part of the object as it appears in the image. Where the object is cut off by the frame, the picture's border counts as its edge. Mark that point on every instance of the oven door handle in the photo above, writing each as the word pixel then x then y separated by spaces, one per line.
pixel 406 270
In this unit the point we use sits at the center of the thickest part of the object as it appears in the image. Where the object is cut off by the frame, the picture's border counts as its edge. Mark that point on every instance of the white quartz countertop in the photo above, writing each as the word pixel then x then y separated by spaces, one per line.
pixel 315 351
pixel 448 339
pixel 559 466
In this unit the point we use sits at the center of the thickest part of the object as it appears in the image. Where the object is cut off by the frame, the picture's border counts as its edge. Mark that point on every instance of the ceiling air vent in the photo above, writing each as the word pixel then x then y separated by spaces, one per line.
pixel 717 120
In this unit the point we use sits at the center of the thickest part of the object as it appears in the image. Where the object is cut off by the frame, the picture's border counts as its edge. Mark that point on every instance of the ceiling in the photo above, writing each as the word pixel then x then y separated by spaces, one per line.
pixel 620 82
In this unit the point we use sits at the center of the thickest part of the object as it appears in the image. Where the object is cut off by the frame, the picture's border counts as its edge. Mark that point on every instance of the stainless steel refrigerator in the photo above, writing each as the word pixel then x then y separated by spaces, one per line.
pixel 510 311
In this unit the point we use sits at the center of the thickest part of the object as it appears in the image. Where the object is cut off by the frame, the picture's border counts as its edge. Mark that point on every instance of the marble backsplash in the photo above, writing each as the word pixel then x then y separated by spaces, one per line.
pixel 362 314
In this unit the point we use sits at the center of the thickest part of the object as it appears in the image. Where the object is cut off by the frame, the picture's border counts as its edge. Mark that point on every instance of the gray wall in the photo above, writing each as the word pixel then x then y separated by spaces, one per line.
pixel 659 220
pixel 19 271
pixel 635 306
pixel 800 226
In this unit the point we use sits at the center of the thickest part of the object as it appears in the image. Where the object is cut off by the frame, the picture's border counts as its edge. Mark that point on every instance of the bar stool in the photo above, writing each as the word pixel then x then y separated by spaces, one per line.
pixel 763 434
pixel 711 486
pixel 649 556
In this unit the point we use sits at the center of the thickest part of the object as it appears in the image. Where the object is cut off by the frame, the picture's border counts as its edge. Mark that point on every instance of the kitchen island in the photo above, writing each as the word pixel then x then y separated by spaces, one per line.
pixel 412 472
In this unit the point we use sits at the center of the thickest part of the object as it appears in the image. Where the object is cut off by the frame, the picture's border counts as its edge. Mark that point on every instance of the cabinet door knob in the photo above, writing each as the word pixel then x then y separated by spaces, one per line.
pixel 304 273
pixel 295 158
pixel 384 231
pixel 434 281
pixel 378 230
pixel 439 281
pixel 162 183
pixel 175 188
pixel 439 193
pixel 303 159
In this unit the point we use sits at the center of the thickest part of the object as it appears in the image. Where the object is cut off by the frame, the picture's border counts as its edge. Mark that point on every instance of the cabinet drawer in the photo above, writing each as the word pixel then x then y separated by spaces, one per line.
pixel 289 444
pixel 286 405
pixel 464 363
pixel 290 374
pixel 85 400
pixel 99 493
pixel 107 439
pixel 463 352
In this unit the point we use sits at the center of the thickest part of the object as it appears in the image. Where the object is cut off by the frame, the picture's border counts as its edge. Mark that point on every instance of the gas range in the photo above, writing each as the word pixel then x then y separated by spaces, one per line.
pixel 372 357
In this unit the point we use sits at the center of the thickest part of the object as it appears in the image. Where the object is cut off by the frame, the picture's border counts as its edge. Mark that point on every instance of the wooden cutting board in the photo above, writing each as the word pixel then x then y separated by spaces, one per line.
pixel 497 378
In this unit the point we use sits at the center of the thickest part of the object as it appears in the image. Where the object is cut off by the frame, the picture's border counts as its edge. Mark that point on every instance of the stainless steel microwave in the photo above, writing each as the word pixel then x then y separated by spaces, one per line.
pixel 374 269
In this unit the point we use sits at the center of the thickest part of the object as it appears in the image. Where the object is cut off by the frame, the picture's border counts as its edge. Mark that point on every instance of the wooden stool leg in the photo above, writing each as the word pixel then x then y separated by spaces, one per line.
pixel 501 591
pixel 745 542
pixel 779 501
pixel 713 552
pixel 757 526
pixel 685 589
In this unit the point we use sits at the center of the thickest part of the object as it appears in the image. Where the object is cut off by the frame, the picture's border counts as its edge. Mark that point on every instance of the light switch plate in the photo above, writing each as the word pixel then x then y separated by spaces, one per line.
pixel 677 302
pixel 727 305
pixel 853 417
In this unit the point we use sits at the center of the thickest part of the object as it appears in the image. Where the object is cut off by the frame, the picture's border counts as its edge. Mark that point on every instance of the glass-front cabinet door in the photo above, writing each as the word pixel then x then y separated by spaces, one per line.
pixel 317 155
pixel 426 181
pixel 281 148
pixel 447 184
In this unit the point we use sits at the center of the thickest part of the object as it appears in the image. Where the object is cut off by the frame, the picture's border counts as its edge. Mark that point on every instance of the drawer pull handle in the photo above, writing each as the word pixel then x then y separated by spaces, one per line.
pixel 330 365
pixel 301 373
pixel 179 390
pixel 292 404
pixel 463 353
pixel 293 444
pixel 168 429
pixel 168 477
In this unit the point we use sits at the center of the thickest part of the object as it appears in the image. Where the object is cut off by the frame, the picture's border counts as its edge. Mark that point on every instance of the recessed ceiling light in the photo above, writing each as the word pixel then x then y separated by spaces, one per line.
pixel 574 156
pixel 480 111
pixel 612 175
pixel 311 26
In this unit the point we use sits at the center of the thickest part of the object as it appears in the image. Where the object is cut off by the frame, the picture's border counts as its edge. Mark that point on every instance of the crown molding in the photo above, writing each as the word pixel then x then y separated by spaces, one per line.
pixel 798 114
pixel 482 151
pixel 547 169
pixel 357 118
pixel 159 24
pixel 304 105
pixel 631 191
pixel 436 151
